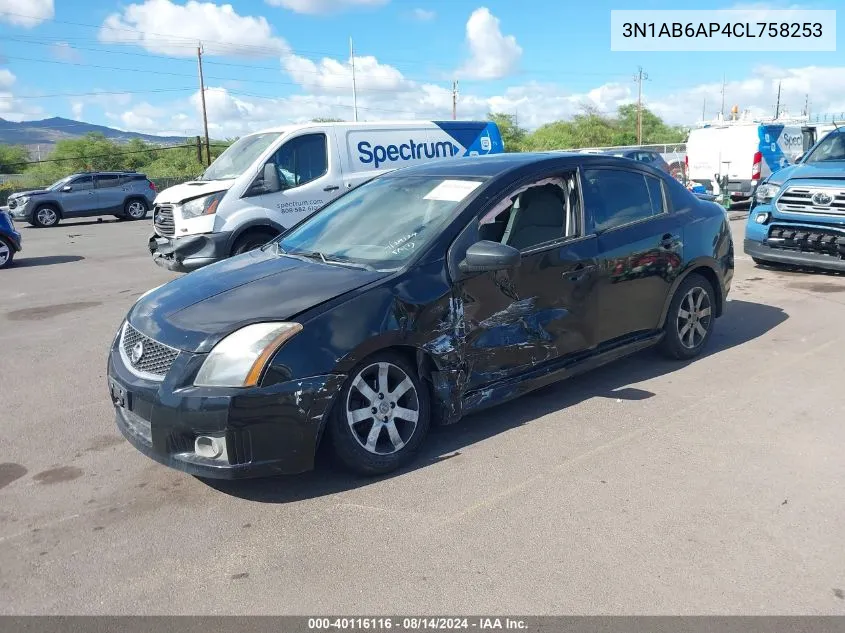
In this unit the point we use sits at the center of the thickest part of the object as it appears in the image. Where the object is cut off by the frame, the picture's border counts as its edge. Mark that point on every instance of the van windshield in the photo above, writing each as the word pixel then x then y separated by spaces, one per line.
pixel 382 223
pixel 239 156
pixel 831 147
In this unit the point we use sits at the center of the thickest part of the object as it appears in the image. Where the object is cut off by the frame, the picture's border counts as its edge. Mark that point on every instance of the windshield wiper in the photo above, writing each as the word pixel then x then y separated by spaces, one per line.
pixel 336 261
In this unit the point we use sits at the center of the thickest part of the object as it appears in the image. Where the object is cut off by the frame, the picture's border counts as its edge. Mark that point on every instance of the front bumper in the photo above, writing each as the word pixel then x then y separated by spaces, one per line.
pixel 267 431
pixel 184 254
pixel 763 251
pixel 23 214
pixel 741 189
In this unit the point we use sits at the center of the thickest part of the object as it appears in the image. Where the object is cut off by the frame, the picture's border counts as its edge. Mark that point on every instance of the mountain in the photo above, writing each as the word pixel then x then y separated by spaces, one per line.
pixel 46 132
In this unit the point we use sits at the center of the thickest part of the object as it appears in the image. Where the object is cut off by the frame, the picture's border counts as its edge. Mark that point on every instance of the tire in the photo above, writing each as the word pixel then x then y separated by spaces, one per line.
pixel 251 240
pixel 45 216
pixel 685 336
pixel 353 440
pixel 7 253
pixel 135 209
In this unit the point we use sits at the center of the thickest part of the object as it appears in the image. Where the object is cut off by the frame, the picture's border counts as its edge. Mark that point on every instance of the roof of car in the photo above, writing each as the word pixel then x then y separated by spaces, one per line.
pixel 497 164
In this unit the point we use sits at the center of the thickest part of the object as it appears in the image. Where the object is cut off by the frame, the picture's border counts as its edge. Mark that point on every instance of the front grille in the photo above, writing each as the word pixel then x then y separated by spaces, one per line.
pixel 152 357
pixel 814 240
pixel 823 200
pixel 163 220
pixel 239 446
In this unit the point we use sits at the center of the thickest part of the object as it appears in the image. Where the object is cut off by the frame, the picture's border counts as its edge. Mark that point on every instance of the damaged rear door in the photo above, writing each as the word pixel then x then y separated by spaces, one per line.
pixel 544 309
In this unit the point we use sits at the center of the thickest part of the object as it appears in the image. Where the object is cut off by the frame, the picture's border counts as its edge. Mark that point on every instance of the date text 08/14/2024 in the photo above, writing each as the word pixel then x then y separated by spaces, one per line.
pixel 415 623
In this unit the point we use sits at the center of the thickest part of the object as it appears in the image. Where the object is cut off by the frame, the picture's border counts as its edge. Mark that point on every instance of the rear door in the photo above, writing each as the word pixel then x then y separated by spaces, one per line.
pixel 82 198
pixel 640 248
pixel 110 194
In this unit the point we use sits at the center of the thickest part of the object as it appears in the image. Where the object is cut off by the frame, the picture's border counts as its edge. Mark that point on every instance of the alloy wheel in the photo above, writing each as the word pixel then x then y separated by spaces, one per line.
pixel 5 253
pixel 694 317
pixel 47 216
pixel 382 408
pixel 136 210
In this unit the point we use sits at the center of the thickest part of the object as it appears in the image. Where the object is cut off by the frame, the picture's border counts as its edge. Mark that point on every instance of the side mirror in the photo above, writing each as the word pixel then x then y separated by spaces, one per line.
pixel 67 188
pixel 486 256
pixel 267 182
pixel 799 157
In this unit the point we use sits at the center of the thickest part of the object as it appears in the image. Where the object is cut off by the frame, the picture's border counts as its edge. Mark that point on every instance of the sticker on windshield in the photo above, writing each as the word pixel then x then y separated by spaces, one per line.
pixel 453 190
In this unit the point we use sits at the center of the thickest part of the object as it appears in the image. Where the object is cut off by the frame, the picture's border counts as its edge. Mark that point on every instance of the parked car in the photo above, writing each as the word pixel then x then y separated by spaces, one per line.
pixel 416 298
pixel 128 195
pixel 10 240
pixel 268 181
pixel 798 215
pixel 646 156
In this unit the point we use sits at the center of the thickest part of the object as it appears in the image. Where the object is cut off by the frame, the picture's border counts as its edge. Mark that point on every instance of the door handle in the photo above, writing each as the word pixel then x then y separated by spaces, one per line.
pixel 669 241
pixel 580 271
pixel 331 188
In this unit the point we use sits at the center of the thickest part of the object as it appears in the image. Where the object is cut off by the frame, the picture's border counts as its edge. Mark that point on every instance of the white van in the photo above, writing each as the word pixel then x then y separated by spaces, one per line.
pixel 268 181
pixel 744 151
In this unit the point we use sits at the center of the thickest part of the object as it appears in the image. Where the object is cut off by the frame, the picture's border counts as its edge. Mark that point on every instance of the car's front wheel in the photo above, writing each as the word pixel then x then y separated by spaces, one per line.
pixel 7 253
pixel 690 320
pixel 381 416
pixel 45 216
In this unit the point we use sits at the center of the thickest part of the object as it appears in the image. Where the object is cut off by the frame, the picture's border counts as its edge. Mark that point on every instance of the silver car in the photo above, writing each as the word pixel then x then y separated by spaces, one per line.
pixel 127 195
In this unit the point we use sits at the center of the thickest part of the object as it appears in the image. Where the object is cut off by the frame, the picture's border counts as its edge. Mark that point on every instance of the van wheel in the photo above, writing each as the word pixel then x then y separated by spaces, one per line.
pixel 381 416
pixel 689 322
pixel 45 216
pixel 251 240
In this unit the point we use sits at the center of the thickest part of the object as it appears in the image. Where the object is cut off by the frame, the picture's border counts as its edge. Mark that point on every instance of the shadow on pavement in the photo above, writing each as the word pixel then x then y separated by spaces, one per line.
pixel 742 322
pixel 47 260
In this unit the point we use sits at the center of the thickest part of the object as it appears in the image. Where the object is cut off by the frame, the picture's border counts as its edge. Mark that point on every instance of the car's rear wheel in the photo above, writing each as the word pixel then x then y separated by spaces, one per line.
pixel 690 320
pixel 135 209
pixel 381 416
pixel 7 253
pixel 45 216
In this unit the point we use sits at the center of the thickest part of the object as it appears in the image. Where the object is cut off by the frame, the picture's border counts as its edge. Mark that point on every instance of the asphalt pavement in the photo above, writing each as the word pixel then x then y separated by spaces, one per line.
pixel 645 487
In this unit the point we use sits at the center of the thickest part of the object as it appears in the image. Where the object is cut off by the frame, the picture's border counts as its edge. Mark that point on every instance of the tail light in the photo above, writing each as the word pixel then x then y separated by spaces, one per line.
pixel 152 185
pixel 757 167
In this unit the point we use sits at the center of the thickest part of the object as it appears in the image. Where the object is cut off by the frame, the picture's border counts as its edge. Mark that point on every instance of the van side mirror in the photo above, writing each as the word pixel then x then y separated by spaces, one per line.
pixel 800 157
pixel 67 188
pixel 266 182
pixel 486 256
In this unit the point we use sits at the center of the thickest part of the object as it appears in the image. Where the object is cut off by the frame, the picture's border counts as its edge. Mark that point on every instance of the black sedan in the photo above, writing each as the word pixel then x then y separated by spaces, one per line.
pixel 416 298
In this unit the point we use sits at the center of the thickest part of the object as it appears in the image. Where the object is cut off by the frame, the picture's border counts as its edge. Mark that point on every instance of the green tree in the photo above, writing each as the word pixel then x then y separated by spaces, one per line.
pixel 655 129
pixel 513 136
pixel 13 159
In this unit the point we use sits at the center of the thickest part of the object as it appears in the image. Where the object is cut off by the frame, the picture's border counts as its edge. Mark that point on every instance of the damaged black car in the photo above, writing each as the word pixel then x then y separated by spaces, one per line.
pixel 418 297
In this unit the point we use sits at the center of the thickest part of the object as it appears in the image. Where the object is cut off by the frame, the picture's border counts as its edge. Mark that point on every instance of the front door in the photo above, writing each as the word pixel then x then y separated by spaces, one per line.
pixel 640 248
pixel 81 199
pixel 306 170
pixel 543 309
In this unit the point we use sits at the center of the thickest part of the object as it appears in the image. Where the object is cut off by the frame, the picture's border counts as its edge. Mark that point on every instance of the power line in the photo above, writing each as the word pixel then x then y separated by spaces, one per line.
pixel 102 92
pixel 111 155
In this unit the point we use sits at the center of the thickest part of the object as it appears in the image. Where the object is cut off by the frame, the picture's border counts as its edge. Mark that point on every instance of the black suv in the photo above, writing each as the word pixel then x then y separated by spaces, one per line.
pixel 122 194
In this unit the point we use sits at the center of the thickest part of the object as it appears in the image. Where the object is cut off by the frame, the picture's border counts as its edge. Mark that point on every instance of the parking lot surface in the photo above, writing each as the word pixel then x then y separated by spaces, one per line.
pixel 646 487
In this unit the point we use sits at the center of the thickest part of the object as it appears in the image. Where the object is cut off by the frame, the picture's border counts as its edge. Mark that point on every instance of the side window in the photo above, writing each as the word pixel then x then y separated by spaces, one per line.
pixel 679 197
pixel 82 183
pixel 107 180
pixel 645 157
pixel 301 160
pixel 615 197
pixel 655 192
pixel 545 211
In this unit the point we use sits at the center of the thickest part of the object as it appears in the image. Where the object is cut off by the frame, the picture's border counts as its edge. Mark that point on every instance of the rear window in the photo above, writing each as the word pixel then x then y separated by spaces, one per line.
pixel 679 198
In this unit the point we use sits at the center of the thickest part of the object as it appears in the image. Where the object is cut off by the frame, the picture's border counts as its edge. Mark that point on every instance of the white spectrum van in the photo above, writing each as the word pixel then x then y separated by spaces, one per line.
pixel 746 151
pixel 268 181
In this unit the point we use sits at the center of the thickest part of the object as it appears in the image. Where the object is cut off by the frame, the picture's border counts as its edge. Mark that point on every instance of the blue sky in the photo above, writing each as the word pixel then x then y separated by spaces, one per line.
pixel 274 61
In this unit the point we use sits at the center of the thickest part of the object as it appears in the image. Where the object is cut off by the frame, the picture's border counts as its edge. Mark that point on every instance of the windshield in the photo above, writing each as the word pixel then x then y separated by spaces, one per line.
pixel 59 183
pixel 831 147
pixel 382 223
pixel 239 156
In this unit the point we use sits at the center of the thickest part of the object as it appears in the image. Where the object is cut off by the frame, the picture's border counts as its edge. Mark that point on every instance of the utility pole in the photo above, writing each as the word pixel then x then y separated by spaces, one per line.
pixel 204 113
pixel 777 106
pixel 199 150
pixel 354 84
pixel 807 106
pixel 454 99
pixel 704 109
pixel 639 78
pixel 722 111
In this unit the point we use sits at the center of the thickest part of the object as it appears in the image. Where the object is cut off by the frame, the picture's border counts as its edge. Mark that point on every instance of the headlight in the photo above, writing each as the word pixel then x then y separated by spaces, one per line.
pixel 767 191
pixel 239 359
pixel 207 205
pixel 23 200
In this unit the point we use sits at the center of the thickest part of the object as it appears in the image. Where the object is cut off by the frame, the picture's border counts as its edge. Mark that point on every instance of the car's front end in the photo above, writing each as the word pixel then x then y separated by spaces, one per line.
pixel 21 205
pixel 798 217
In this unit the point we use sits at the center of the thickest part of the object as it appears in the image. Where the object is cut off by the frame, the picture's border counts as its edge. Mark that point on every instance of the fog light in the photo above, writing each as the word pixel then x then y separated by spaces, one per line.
pixel 210 447
pixel 762 218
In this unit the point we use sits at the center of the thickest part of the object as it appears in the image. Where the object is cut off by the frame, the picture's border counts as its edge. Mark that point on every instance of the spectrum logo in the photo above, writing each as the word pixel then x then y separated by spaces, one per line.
pixel 379 154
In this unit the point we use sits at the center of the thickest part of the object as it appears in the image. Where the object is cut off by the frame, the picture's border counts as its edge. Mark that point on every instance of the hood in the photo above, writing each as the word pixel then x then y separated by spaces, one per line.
pixel 34 192
pixel 834 170
pixel 192 189
pixel 195 311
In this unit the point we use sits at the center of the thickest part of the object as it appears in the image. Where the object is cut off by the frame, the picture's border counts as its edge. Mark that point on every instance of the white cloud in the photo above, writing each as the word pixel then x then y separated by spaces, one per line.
pixel 315 7
pixel 65 52
pixel 77 109
pixel 26 14
pixel 423 15
pixel 7 78
pixel 162 26
pixel 11 108
pixel 492 55
pixel 333 76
